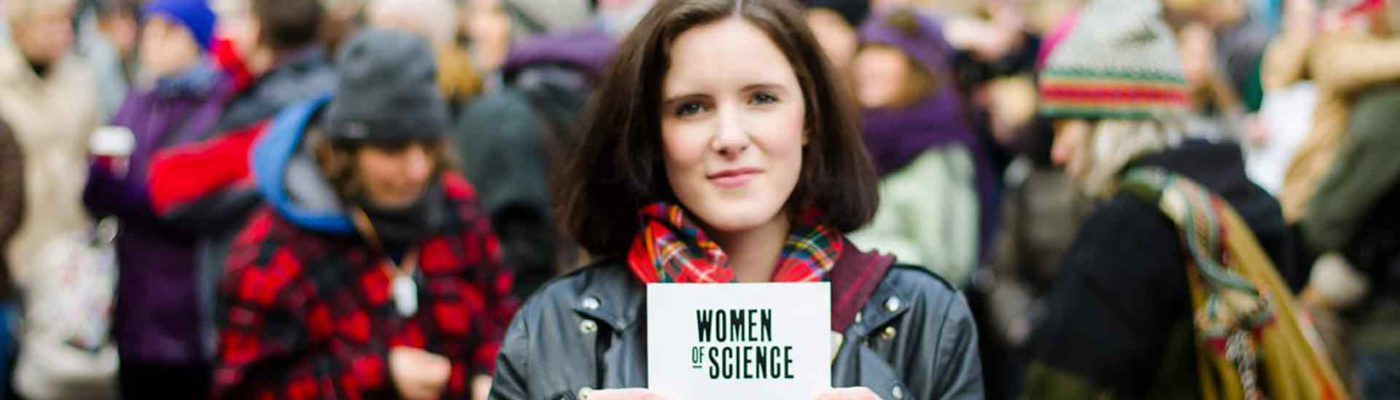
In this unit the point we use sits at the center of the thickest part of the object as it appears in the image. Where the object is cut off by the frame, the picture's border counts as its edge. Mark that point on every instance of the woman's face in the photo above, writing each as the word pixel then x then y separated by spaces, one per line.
pixel 237 25
pixel 167 48
pixel 46 37
pixel 488 26
pixel 881 74
pixel 1071 143
pixel 732 128
pixel 395 177
pixel 1197 46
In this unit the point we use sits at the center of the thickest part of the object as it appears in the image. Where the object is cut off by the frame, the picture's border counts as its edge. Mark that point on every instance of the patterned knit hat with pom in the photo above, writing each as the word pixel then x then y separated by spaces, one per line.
pixel 1119 61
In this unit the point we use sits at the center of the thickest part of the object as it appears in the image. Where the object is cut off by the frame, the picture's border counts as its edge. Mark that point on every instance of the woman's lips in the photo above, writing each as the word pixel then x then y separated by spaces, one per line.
pixel 733 178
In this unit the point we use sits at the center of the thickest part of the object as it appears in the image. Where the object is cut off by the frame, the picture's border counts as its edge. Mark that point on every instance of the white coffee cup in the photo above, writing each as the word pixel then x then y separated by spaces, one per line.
pixel 112 146
pixel 112 141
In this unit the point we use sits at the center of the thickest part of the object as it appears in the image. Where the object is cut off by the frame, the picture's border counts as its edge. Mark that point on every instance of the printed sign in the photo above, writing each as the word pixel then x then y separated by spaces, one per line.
pixel 739 341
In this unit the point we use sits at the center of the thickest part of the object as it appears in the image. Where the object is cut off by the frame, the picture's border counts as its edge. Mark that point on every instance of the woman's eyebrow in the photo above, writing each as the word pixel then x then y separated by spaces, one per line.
pixel 682 97
pixel 764 86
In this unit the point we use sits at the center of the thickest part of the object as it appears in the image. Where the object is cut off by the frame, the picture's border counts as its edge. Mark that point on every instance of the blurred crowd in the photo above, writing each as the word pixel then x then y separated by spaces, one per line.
pixel 140 154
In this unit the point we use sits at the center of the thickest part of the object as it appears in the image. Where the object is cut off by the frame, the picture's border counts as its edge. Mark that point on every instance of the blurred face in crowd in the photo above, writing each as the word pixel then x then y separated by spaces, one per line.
pixel 46 37
pixel 120 28
pixel 732 128
pixel 1071 139
pixel 167 48
pixel 396 175
pixel 837 38
pixel 883 77
pixel 488 28
pixel 1197 45
pixel 236 23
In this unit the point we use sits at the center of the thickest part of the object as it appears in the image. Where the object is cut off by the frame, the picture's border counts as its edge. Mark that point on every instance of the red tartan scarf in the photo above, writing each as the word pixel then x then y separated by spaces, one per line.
pixel 673 249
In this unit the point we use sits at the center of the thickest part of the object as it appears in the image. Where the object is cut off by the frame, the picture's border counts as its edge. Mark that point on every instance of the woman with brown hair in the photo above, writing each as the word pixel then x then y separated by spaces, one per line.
pixel 702 167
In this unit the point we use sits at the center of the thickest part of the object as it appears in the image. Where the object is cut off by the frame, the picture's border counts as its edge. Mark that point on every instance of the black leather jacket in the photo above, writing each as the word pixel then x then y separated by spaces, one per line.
pixel 913 339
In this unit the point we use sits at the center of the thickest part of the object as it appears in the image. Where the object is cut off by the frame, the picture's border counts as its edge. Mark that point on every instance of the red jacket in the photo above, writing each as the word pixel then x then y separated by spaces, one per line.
pixel 309 316
pixel 185 174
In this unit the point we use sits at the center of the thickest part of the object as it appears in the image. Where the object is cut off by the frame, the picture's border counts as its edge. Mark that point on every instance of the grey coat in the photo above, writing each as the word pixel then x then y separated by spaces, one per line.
pixel 913 339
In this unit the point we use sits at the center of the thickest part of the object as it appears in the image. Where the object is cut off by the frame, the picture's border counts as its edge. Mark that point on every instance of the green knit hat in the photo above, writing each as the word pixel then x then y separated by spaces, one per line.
pixel 1119 61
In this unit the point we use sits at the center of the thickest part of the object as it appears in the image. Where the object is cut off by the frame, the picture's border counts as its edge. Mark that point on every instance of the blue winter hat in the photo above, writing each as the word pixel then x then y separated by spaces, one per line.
pixel 195 15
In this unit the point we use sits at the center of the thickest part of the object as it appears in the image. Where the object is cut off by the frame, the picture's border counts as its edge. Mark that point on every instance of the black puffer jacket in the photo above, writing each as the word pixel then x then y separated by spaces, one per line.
pixel 913 338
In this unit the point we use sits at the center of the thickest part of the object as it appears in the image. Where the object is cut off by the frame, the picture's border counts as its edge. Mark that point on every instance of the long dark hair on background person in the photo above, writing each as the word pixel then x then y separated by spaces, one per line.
pixel 617 166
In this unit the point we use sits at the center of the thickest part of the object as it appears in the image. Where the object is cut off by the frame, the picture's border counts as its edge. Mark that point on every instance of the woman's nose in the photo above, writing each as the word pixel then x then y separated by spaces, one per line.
pixel 733 137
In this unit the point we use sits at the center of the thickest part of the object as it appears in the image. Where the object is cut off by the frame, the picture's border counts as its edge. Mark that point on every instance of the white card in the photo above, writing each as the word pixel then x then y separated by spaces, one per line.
pixel 739 341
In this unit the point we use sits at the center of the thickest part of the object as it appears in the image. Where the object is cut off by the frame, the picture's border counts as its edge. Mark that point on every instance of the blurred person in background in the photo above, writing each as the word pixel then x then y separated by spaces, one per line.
pixel 530 18
pixel 156 320
pixel 372 272
pixel 1347 50
pixel 1353 219
pixel 1343 51
pixel 1040 206
pixel 436 22
pixel 119 21
pixel 48 98
pixel 109 43
pixel 1285 117
pixel 995 55
pixel 1127 315
pixel 487 28
pixel 1351 222
pixel 511 139
pixel 834 23
pixel 272 54
pixel 1237 38
pixel 343 19
pixel 277 41
pixel 935 181
pixel 993 65
pixel 1216 109
pixel 11 215
pixel 558 70
pixel 50 103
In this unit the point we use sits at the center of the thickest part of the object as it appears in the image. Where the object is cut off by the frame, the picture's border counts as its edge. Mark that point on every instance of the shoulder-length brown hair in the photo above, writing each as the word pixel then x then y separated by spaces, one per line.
pixel 618 168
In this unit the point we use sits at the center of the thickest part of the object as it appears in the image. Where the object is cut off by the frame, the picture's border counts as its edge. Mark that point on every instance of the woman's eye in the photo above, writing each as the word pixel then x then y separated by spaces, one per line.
pixel 763 98
pixel 689 109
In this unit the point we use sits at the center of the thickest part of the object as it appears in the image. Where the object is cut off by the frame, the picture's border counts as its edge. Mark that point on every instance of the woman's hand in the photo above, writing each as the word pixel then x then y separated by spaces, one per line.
pixel 418 374
pixel 623 394
pixel 481 386
pixel 855 393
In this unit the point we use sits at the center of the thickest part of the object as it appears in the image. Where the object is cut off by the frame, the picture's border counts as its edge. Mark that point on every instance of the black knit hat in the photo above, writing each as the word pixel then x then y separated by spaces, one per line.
pixel 387 90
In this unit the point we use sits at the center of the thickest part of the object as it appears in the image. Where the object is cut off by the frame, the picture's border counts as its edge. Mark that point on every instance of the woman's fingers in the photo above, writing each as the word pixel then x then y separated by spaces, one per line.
pixel 855 393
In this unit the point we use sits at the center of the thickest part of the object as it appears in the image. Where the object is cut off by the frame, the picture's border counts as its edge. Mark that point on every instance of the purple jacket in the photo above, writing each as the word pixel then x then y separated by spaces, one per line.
pixel 156 317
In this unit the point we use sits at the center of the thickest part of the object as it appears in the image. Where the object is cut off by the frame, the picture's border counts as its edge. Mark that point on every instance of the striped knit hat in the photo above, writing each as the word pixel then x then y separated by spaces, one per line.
pixel 1119 61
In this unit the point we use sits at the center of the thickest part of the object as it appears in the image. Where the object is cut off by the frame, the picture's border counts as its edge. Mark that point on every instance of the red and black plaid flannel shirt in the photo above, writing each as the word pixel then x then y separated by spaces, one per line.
pixel 309 316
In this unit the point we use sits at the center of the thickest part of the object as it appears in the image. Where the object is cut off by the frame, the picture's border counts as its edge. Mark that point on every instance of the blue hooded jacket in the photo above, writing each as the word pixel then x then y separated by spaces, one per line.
pixel 289 177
